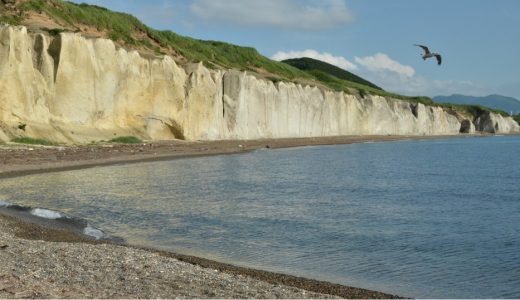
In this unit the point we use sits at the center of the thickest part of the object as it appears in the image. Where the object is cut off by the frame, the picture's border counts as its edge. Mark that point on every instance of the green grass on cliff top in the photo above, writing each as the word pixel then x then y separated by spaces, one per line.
pixel 122 27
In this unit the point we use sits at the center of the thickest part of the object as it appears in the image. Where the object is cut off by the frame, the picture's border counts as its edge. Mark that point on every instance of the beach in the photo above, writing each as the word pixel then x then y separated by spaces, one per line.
pixel 40 262
pixel 19 160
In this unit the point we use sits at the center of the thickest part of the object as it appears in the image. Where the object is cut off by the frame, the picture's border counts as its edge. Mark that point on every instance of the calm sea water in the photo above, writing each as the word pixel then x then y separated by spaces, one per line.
pixel 416 218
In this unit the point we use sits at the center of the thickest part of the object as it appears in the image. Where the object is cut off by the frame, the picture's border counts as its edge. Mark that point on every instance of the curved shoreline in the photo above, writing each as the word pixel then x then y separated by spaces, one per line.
pixel 36 159
pixel 40 160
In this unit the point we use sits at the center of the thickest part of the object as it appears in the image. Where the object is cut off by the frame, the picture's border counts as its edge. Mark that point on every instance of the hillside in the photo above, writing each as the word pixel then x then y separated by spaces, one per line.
pixel 312 66
pixel 507 104
pixel 56 16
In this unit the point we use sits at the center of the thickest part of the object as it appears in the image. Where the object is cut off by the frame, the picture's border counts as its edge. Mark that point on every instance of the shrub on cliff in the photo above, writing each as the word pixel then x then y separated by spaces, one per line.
pixel 126 140
pixel 33 141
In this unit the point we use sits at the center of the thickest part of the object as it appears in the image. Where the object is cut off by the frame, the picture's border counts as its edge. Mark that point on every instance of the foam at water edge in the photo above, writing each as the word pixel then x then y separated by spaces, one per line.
pixel 4 204
pixel 46 214
pixel 94 232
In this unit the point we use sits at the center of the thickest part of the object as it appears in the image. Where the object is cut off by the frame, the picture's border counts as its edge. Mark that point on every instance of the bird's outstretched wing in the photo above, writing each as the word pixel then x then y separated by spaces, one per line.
pixel 439 58
pixel 426 50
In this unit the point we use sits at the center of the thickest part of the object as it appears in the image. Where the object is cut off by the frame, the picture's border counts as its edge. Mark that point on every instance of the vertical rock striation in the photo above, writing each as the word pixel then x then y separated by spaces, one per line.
pixel 73 89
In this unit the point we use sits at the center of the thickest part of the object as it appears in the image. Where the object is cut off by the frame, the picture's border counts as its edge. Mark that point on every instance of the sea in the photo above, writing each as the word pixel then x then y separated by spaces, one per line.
pixel 416 218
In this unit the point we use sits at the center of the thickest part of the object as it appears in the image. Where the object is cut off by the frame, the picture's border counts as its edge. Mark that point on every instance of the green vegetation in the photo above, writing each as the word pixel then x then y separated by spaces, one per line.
pixel 498 102
pixel 33 141
pixel 13 20
pixel 126 140
pixel 125 28
pixel 517 118
pixel 225 55
pixel 120 26
pixel 338 84
pixel 474 110
pixel 309 64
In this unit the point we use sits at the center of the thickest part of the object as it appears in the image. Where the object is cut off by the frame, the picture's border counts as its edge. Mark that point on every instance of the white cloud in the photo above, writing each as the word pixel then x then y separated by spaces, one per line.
pixel 306 15
pixel 338 61
pixel 382 70
pixel 382 63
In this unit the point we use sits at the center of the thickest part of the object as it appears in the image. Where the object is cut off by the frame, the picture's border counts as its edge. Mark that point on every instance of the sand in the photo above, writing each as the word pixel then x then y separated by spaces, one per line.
pixel 39 262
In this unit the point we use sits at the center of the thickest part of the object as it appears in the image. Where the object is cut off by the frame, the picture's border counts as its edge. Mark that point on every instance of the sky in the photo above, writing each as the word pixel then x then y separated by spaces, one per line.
pixel 478 39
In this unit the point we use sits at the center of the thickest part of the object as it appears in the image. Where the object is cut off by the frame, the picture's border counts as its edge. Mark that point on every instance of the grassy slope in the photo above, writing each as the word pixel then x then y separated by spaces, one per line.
pixel 496 102
pixel 474 110
pixel 309 65
pixel 130 32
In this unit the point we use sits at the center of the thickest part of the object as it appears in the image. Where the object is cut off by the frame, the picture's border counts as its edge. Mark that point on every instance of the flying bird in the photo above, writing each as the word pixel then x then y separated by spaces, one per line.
pixel 428 54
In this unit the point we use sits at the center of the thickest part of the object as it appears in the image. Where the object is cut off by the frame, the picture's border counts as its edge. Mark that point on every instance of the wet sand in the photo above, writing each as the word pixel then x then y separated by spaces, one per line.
pixel 39 262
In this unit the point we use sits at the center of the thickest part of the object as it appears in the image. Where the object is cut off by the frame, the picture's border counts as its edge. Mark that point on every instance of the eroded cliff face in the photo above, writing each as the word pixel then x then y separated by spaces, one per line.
pixel 73 89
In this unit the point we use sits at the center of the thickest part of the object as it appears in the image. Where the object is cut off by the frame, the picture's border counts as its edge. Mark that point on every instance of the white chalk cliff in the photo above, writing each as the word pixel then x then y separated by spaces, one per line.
pixel 73 89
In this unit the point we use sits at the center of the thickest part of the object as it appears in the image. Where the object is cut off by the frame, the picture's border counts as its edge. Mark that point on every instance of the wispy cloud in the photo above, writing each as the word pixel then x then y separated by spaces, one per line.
pixel 381 62
pixel 305 15
pixel 338 61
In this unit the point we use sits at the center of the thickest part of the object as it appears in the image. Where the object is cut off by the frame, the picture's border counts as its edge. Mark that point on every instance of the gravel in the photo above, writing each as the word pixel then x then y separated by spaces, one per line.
pixel 43 269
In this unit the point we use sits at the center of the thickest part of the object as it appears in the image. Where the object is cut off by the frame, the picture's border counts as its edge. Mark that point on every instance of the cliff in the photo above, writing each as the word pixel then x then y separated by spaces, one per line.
pixel 73 89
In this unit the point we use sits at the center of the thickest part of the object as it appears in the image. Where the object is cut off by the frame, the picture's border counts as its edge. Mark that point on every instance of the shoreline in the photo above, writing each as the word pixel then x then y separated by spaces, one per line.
pixel 295 287
pixel 37 160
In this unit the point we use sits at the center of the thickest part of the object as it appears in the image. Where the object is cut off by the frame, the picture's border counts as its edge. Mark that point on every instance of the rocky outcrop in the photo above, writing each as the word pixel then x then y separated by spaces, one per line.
pixel 495 123
pixel 73 89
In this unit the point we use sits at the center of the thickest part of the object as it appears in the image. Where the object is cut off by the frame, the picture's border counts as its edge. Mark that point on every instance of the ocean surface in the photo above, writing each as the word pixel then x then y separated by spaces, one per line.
pixel 426 219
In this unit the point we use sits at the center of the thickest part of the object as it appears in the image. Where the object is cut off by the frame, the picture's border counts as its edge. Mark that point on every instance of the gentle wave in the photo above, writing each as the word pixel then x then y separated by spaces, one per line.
pixel 46 213
pixel 58 220
pixel 95 233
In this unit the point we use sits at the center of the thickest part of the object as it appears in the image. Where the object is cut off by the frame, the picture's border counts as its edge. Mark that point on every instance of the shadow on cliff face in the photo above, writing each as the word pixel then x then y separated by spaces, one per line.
pixel 176 130
pixel 55 52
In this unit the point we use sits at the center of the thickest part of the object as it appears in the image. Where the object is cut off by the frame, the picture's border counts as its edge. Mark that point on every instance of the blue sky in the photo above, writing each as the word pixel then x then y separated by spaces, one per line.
pixel 479 39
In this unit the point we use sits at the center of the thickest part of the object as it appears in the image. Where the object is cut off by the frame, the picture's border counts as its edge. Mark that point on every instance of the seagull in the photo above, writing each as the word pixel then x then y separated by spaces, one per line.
pixel 428 54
